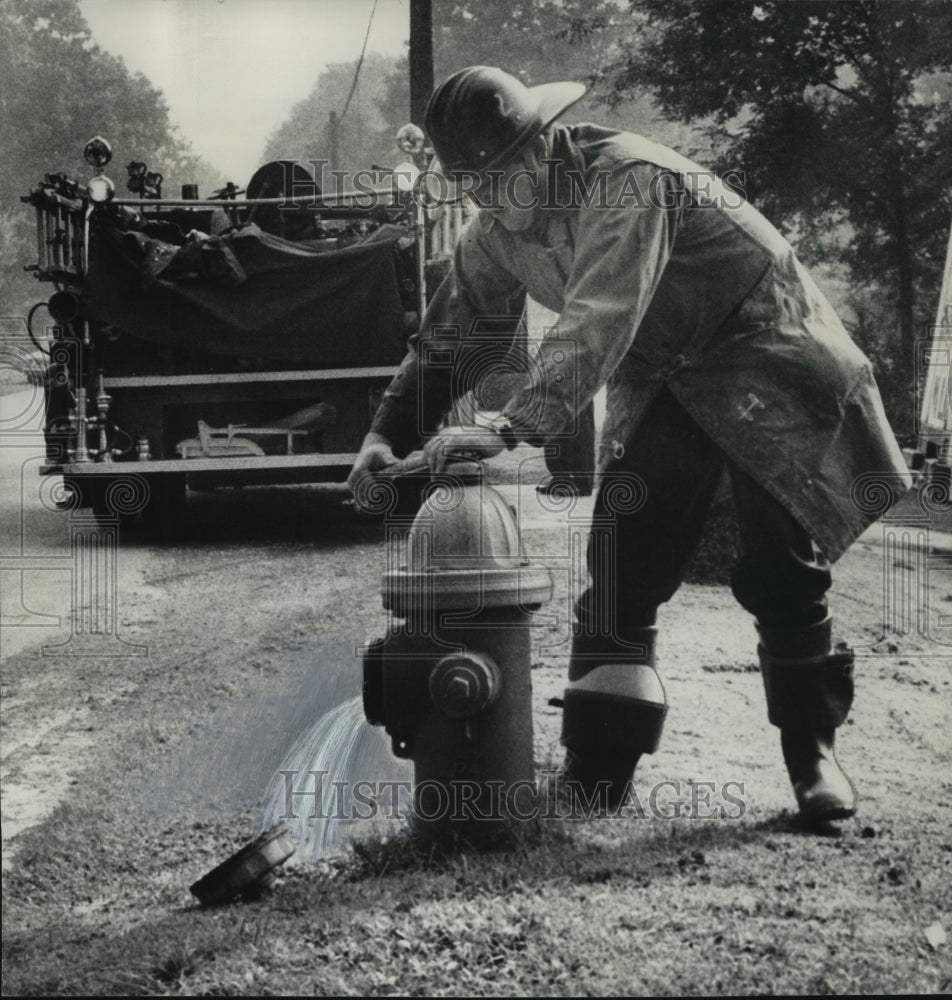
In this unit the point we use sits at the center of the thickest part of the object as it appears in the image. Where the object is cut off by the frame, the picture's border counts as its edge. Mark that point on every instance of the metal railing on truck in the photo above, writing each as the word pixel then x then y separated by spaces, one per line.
pixel 93 453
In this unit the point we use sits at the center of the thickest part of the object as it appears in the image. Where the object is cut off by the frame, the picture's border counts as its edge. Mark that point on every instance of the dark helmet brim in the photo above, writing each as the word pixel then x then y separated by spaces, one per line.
pixel 549 101
pixel 552 101
pixel 555 99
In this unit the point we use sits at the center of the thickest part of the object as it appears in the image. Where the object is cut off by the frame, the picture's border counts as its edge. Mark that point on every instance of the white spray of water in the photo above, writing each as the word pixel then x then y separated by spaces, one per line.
pixel 324 817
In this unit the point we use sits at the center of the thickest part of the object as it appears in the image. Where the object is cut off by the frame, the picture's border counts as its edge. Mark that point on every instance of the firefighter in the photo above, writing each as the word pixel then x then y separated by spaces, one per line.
pixel 718 351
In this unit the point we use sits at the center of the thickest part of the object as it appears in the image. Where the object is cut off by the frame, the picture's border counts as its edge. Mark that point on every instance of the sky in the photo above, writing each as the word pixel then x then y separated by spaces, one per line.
pixel 231 70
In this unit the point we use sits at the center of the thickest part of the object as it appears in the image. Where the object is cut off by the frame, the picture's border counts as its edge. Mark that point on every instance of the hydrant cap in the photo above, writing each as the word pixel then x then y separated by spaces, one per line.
pixel 463 551
pixel 471 523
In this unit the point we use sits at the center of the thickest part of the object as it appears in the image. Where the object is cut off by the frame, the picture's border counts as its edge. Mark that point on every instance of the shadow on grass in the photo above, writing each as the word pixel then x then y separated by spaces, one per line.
pixel 321 928
pixel 318 515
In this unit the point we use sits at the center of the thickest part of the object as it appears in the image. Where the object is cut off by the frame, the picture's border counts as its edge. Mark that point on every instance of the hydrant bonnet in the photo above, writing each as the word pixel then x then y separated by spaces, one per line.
pixel 464 551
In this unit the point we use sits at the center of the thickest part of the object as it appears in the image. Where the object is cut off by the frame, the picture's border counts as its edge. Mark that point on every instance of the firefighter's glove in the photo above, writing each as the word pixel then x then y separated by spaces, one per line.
pixel 375 455
pixel 465 443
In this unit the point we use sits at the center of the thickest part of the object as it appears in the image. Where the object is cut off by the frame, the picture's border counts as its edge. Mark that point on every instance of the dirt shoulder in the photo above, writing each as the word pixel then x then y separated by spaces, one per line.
pixel 251 631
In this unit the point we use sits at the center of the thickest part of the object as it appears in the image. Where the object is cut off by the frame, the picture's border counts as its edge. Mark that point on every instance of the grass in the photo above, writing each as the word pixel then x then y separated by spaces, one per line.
pixel 594 907
pixel 97 900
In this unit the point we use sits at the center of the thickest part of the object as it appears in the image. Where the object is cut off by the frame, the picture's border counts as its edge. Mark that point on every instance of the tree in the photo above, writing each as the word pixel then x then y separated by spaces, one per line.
pixel 539 41
pixel 834 111
pixel 529 38
pixel 57 90
pixel 533 39
pixel 364 135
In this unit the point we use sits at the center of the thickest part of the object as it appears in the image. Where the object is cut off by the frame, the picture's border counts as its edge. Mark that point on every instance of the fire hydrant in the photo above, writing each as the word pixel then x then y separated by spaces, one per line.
pixel 451 682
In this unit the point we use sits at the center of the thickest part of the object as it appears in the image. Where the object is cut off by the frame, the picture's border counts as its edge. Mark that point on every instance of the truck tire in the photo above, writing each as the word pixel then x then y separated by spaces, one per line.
pixel 80 490
pixel 121 496
pixel 163 515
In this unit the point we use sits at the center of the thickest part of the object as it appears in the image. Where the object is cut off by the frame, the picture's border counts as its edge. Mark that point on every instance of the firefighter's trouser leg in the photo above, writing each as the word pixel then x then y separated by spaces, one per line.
pixel 809 689
pixel 781 576
pixel 640 550
pixel 574 466
pixel 647 521
pixel 649 516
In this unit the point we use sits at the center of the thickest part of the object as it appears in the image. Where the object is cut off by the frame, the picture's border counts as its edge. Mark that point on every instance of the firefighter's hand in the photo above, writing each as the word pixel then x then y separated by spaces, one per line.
pixel 467 442
pixel 375 454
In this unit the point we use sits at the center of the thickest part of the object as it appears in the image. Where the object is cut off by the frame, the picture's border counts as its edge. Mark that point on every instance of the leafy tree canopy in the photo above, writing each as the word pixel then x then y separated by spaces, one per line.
pixel 533 39
pixel 57 90
pixel 364 135
pixel 539 41
pixel 836 112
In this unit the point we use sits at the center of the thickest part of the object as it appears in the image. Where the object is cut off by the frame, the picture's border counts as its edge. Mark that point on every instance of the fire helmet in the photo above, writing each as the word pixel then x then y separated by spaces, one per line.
pixel 481 118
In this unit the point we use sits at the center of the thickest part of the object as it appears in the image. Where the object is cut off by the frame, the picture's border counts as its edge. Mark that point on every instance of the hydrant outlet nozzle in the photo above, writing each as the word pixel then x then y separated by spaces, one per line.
pixel 464 684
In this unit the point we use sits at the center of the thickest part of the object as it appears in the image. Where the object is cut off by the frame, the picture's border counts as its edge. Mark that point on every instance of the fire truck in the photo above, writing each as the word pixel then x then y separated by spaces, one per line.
pixel 225 341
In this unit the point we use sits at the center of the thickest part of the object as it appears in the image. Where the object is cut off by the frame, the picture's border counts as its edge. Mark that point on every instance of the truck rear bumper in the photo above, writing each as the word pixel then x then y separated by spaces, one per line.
pixel 208 472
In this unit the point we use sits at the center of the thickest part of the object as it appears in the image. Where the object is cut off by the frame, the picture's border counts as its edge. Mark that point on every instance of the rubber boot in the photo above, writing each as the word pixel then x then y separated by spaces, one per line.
pixel 613 712
pixel 809 692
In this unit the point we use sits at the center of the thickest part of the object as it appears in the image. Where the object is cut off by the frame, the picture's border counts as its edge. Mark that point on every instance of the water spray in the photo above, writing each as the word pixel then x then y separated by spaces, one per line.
pixel 450 681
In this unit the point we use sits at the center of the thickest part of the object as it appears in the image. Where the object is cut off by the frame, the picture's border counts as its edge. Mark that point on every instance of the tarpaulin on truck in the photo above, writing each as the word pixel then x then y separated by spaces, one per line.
pixel 249 294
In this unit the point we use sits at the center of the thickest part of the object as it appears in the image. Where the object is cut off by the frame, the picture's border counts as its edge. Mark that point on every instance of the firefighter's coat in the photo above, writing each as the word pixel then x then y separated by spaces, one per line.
pixel 663 276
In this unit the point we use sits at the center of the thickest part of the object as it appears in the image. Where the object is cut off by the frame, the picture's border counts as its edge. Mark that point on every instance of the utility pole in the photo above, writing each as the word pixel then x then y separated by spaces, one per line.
pixel 421 58
pixel 333 122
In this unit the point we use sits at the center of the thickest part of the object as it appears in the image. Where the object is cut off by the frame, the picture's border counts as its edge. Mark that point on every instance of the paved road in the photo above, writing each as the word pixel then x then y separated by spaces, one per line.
pixel 36 554
pixel 88 626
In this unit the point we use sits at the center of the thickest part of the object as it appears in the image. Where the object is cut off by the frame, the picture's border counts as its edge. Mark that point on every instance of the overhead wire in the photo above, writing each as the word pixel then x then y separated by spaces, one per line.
pixel 360 62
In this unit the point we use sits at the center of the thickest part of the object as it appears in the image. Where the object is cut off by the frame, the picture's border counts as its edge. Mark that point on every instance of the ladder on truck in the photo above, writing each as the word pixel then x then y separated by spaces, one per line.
pixel 932 460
